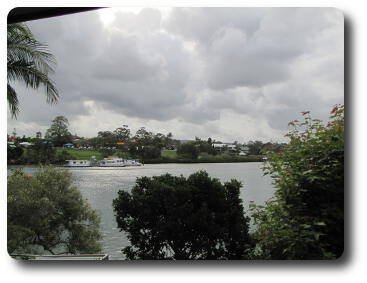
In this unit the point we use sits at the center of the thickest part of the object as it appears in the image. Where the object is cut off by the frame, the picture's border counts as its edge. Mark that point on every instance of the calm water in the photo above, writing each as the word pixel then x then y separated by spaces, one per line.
pixel 100 186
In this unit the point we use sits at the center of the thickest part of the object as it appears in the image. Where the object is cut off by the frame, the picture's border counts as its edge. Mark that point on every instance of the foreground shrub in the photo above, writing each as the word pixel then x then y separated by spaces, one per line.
pixel 169 217
pixel 46 214
pixel 306 218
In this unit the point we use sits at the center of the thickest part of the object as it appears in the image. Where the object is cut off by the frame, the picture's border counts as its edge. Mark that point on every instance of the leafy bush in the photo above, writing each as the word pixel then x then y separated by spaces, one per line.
pixel 14 154
pixel 40 153
pixel 46 214
pixel 169 217
pixel 150 152
pixel 306 218
pixel 62 155
pixel 188 150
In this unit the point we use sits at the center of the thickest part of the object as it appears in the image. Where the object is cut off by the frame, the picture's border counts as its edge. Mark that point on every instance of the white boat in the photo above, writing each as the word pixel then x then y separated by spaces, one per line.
pixel 131 162
pixel 111 162
pixel 117 162
pixel 77 163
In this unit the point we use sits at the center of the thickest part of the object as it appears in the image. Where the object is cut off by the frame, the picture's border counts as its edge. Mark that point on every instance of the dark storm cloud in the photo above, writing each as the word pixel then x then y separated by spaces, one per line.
pixel 248 47
pixel 125 60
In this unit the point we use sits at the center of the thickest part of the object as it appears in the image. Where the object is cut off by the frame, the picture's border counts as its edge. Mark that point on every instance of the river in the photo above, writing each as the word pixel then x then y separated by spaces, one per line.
pixel 100 186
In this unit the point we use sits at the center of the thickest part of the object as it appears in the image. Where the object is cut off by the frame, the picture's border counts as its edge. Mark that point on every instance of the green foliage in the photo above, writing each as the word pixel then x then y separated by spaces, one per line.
pixel 106 138
pixel 150 152
pixel 58 132
pixel 169 217
pixel 189 150
pixel 106 152
pixel 143 137
pixel 62 155
pixel 306 218
pixel 14 154
pixel 169 154
pixel 40 153
pixel 255 147
pixel 47 214
pixel 122 133
pixel 122 154
pixel 28 62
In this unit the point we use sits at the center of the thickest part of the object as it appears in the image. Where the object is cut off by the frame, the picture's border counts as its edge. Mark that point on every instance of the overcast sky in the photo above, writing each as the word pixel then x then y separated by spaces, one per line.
pixel 227 73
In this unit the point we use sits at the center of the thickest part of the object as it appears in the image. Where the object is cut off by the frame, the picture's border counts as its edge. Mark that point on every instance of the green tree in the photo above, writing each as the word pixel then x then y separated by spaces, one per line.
pixel 122 133
pixel 14 154
pixel 150 152
pixel 29 62
pixel 306 218
pixel 143 137
pixel 255 147
pixel 169 217
pixel 58 132
pixel 62 156
pixel 46 214
pixel 189 149
pixel 40 153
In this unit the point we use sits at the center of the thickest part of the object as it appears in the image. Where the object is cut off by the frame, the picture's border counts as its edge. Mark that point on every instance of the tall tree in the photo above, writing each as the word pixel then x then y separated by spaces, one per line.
pixel 143 137
pixel 122 133
pixel 29 62
pixel 169 217
pixel 58 132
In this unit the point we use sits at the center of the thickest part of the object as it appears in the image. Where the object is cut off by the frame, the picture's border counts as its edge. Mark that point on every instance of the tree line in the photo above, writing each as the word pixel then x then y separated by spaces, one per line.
pixel 144 145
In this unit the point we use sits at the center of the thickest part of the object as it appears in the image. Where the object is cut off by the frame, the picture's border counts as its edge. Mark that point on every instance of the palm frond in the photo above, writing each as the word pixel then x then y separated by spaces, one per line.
pixel 32 77
pixel 13 102
pixel 29 61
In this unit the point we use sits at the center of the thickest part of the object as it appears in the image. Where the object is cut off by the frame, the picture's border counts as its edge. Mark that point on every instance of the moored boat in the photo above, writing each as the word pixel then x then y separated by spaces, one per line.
pixel 117 162
pixel 77 163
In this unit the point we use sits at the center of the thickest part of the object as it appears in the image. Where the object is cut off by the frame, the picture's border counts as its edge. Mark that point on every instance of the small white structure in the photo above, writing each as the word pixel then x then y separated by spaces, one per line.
pixel 226 146
pixel 218 145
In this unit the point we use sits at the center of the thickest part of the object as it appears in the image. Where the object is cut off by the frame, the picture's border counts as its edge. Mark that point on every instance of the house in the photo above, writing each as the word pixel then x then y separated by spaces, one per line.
pixel 225 147
pixel 25 144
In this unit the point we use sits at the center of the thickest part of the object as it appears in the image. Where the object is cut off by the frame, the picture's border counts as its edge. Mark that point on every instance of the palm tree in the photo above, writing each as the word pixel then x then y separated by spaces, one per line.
pixel 29 62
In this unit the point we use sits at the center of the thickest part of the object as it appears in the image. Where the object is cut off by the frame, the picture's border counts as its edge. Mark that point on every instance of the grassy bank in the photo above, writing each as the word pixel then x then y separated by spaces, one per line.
pixel 81 154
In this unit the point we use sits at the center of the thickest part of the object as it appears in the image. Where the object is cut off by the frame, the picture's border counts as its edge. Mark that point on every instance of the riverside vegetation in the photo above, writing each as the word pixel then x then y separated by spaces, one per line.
pixel 170 217
pixel 145 145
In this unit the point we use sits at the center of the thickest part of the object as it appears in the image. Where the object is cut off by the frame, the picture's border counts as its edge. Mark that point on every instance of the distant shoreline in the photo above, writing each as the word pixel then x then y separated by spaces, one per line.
pixel 178 161
pixel 167 156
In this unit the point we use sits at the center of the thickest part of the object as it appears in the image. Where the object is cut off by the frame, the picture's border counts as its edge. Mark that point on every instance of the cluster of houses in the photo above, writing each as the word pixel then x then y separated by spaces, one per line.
pixel 231 148
pixel 240 149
